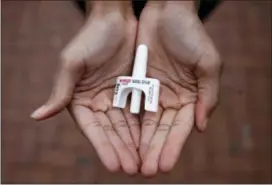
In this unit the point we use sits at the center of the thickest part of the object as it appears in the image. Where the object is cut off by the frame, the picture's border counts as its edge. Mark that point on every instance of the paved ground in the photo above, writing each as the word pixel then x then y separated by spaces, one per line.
pixel 235 149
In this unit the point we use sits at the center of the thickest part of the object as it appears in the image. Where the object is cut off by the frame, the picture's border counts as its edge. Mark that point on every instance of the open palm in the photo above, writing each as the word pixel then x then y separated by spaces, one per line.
pixel 102 51
pixel 183 58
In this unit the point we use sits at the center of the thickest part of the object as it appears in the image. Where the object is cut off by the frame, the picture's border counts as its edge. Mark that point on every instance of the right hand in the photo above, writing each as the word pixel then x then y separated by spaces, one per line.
pixel 183 57
pixel 102 51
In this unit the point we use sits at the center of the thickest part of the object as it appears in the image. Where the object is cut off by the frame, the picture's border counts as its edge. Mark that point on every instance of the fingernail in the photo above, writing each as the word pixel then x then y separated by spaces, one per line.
pixel 37 113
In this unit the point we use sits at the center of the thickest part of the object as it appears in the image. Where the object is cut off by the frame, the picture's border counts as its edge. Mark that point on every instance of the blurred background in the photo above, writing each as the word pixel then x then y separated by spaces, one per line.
pixel 236 148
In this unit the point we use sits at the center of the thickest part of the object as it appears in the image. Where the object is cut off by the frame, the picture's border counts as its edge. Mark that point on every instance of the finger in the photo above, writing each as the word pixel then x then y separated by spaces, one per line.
pixel 95 133
pixel 121 127
pixel 127 160
pixel 134 126
pixel 62 92
pixel 207 101
pixel 149 125
pixel 208 74
pixel 176 138
pixel 151 159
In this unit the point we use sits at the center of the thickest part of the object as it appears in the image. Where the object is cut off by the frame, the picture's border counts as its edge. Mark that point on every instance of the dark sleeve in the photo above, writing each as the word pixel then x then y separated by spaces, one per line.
pixel 138 6
pixel 81 5
pixel 206 7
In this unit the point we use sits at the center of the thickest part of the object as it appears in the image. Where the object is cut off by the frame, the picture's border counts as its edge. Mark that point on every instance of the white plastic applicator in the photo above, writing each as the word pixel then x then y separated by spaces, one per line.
pixel 139 71
pixel 136 84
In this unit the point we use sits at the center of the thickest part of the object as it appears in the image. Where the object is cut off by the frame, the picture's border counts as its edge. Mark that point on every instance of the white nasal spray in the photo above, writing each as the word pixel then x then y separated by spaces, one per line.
pixel 139 71
pixel 137 84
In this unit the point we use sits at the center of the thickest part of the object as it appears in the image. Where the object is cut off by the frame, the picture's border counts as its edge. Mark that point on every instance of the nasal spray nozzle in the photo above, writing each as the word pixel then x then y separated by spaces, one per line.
pixel 136 84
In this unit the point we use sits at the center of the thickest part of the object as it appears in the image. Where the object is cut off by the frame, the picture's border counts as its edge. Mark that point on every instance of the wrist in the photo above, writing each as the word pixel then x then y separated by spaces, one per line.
pixel 109 8
pixel 189 6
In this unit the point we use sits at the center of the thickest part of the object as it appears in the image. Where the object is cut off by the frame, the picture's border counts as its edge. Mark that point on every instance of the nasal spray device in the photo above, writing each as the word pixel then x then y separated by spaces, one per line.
pixel 137 83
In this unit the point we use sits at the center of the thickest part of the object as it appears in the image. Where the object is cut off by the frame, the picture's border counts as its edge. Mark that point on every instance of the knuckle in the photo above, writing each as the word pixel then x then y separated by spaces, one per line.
pixel 119 124
pixel 149 122
pixel 177 122
pixel 212 60
pixel 130 144
pixel 132 120
pixel 68 53
pixel 186 123
pixel 64 58
pixel 65 98
pixel 90 124
pixel 68 62
pixel 108 128
pixel 164 127
pixel 133 124
pixel 60 99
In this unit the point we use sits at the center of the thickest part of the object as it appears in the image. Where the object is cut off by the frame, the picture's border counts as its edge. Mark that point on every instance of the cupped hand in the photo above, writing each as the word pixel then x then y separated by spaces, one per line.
pixel 102 51
pixel 184 59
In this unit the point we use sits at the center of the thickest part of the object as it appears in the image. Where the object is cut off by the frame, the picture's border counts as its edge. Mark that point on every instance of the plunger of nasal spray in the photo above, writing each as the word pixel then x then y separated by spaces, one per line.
pixel 139 71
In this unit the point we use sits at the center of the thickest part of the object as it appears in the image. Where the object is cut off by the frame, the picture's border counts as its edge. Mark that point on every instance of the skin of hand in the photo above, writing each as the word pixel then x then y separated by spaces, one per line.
pixel 184 59
pixel 102 51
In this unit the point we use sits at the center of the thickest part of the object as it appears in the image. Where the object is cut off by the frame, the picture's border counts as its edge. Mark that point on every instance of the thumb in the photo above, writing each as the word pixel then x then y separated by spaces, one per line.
pixel 62 92
pixel 208 73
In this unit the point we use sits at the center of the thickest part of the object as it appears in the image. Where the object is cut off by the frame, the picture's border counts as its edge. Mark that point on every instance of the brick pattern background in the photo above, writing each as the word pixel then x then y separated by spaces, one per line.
pixel 235 149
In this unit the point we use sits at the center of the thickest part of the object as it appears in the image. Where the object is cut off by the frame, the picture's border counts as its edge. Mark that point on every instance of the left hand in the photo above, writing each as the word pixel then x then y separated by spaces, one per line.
pixel 90 64
pixel 184 59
